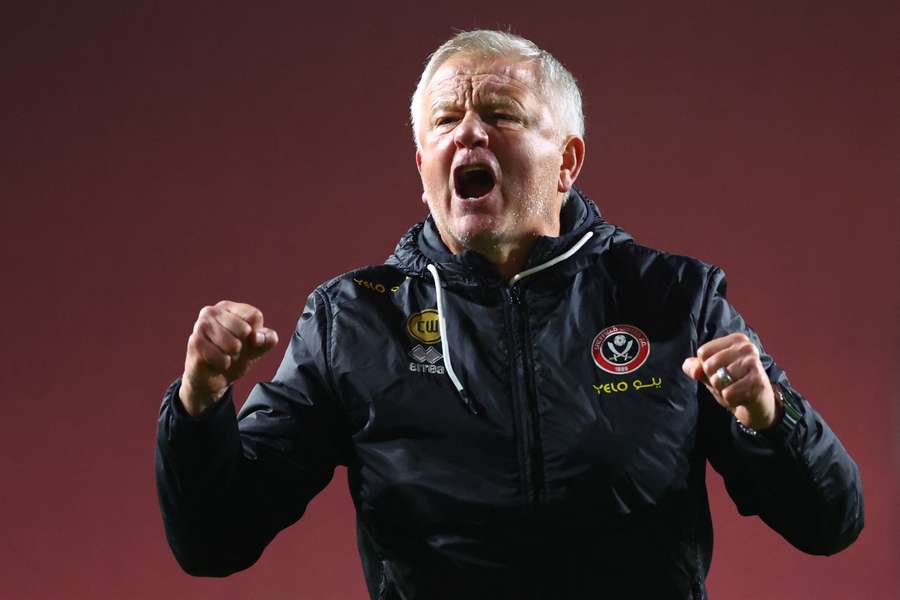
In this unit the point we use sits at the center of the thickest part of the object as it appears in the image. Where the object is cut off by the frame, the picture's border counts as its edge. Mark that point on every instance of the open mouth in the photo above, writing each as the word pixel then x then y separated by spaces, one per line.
pixel 473 181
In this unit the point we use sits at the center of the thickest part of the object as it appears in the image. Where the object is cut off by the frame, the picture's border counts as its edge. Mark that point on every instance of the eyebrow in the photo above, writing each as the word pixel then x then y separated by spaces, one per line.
pixel 489 100
pixel 440 104
pixel 499 101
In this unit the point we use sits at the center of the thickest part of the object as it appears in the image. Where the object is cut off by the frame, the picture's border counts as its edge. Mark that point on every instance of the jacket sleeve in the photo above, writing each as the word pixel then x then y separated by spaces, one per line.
pixel 796 476
pixel 227 484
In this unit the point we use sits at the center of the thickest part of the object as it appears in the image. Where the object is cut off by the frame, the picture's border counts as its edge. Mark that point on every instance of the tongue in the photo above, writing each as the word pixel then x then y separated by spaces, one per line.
pixel 475 184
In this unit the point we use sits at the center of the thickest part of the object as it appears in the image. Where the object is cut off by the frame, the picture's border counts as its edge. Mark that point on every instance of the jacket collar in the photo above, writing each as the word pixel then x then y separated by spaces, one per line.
pixel 422 245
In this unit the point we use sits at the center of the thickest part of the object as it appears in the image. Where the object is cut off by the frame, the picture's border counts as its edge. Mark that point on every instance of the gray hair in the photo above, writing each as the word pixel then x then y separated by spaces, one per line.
pixel 557 84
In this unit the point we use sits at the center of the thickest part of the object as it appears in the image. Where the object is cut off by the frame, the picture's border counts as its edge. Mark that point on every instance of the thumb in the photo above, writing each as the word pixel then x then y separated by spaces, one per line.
pixel 263 340
pixel 693 368
pixel 258 343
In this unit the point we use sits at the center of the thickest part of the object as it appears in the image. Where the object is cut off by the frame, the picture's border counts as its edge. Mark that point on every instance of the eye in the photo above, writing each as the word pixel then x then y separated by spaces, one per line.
pixel 444 120
pixel 502 116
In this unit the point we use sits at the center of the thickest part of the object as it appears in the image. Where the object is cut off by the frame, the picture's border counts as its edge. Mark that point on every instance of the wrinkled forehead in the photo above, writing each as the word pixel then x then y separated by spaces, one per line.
pixel 462 76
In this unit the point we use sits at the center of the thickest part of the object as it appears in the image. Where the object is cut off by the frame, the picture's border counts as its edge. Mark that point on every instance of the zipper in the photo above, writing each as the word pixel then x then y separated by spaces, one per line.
pixel 524 393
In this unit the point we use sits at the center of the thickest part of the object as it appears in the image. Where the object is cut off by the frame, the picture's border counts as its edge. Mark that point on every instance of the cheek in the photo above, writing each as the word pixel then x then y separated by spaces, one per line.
pixel 434 186
pixel 435 165
pixel 531 171
pixel 434 182
pixel 547 164
pixel 428 171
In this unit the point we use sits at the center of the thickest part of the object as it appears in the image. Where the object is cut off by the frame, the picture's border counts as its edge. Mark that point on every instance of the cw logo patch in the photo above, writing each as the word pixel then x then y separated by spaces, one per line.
pixel 424 326
pixel 620 349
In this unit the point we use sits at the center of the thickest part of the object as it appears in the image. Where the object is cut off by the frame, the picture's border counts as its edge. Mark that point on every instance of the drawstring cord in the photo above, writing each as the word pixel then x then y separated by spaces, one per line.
pixel 553 261
pixel 445 342
pixel 442 322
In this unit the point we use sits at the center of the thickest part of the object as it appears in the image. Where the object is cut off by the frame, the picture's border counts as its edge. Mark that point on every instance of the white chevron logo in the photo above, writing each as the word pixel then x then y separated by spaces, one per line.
pixel 420 354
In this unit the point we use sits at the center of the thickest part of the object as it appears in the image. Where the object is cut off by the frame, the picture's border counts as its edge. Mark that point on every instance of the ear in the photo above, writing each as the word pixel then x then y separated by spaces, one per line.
pixel 572 161
pixel 419 167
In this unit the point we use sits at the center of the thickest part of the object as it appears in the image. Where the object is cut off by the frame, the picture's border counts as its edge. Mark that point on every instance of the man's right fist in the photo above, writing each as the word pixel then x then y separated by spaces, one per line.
pixel 227 339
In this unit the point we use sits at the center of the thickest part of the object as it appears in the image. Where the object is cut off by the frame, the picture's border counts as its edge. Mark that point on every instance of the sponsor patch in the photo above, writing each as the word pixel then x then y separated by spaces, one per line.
pixel 374 286
pixel 423 326
pixel 624 386
pixel 421 354
pixel 425 359
pixel 620 349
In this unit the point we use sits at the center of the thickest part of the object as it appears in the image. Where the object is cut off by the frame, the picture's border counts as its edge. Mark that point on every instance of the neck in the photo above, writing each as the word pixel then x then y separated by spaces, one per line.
pixel 509 255
pixel 509 258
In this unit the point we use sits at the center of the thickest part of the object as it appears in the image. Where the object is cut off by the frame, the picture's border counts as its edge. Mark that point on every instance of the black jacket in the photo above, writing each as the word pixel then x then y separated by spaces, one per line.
pixel 565 458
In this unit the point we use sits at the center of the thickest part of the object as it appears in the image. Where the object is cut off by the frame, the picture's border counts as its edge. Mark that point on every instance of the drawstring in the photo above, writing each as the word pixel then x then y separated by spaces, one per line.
pixel 442 323
pixel 445 342
pixel 575 248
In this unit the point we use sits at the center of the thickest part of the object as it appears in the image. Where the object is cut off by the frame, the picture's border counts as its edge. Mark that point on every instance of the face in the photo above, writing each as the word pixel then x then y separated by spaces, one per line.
pixel 494 168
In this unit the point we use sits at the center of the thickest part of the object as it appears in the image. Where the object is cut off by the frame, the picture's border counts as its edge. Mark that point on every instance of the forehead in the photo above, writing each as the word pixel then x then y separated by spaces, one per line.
pixel 461 76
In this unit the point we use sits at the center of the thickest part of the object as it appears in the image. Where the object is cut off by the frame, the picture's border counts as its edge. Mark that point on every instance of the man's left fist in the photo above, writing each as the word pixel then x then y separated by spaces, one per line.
pixel 749 395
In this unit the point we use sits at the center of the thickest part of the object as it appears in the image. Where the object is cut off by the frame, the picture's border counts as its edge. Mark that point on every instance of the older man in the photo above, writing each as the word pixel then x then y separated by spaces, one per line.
pixel 525 398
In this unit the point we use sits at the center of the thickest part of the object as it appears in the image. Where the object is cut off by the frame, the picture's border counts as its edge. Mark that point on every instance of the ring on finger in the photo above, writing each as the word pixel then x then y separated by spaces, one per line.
pixel 724 376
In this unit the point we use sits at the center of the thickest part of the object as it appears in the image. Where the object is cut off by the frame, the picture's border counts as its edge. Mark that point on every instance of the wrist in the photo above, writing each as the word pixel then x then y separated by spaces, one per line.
pixel 788 412
pixel 779 408
pixel 196 402
pixel 791 413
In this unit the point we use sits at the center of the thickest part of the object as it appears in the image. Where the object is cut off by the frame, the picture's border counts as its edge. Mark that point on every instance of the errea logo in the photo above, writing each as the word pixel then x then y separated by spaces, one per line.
pixel 424 326
pixel 425 359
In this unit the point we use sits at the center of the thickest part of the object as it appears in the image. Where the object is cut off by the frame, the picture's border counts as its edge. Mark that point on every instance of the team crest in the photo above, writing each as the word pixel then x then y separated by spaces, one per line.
pixel 620 349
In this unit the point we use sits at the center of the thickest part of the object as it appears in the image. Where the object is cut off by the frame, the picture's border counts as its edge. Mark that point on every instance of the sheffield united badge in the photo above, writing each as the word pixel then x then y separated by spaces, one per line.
pixel 620 349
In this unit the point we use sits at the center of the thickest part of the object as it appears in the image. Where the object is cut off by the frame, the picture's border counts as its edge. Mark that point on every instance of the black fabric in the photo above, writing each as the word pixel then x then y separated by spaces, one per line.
pixel 572 482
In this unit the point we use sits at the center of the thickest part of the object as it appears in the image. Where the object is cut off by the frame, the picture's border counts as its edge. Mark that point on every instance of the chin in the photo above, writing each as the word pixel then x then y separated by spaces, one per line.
pixel 478 239
pixel 475 226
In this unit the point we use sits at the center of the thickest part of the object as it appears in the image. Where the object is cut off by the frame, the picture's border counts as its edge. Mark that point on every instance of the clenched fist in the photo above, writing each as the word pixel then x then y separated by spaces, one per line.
pixel 743 387
pixel 227 339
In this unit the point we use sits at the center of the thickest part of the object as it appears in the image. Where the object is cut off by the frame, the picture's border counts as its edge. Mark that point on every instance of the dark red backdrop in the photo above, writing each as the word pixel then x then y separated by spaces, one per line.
pixel 159 158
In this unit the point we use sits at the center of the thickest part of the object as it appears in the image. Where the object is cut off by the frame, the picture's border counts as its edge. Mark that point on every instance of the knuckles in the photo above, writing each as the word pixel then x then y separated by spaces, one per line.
pixel 737 342
pixel 220 336
pixel 211 344
pixel 748 348
pixel 245 330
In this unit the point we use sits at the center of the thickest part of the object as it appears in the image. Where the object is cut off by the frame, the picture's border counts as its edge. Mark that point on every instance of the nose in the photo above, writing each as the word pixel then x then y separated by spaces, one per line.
pixel 470 132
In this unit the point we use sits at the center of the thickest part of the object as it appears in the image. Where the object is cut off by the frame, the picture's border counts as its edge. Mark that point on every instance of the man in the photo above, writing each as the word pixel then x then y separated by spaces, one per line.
pixel 525 398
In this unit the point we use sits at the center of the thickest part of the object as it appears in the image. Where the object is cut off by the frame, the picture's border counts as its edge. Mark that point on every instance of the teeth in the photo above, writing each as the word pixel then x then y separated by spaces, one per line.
pixel 471 168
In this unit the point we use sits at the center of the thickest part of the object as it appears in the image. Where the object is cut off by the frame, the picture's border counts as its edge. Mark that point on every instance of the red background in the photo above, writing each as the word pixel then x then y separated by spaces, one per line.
pixel 157 158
